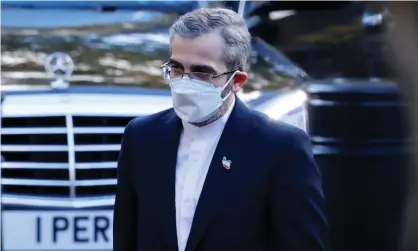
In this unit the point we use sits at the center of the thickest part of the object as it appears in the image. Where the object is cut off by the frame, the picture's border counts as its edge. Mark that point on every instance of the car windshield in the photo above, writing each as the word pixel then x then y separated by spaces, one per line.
pixel 123 46
pixel 329 39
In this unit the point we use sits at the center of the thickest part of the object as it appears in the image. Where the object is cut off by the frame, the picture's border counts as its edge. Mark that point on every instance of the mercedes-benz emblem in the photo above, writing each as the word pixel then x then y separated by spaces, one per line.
pixel 59 66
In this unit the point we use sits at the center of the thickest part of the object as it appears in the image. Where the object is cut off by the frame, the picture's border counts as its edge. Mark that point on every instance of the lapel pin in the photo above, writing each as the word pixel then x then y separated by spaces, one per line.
pixel 226 163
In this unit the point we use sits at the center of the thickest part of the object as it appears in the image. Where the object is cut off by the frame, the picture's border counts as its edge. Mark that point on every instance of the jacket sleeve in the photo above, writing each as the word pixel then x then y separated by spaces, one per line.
pixel 124 216
pixel 296 203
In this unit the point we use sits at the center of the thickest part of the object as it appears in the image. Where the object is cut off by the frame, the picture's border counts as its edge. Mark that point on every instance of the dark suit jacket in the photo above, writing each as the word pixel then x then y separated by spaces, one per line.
pixel 271 198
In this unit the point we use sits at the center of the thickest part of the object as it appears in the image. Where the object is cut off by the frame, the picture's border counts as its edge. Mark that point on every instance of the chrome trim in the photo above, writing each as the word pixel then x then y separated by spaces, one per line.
pixel 58 183
pixel 122 111
pixel 34 148
pixel 78 114
pixel 98 182
pixel 98 130
pixel 34 182
pixel 71 155
pixel 57 202
pixel 114 115
pixel 33 130
pixel 96 165
pixel 97 148
pixel 69 199
pixel 28 115
pixel 122 105
pixel 33 165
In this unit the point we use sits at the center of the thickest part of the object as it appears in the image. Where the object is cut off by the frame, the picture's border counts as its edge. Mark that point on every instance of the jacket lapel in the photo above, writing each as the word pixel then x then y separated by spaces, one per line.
pixel 217 182
pixel 170 134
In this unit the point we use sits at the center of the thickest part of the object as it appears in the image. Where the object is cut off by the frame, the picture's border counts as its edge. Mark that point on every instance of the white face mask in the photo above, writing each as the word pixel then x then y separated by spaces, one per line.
pixel 196 101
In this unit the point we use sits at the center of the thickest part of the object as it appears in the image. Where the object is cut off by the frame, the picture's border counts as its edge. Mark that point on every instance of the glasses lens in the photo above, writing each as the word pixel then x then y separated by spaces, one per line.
pixel 175 73
pixel 201 76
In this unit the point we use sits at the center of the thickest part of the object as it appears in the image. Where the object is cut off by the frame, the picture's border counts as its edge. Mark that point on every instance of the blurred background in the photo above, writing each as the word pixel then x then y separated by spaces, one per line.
pixel 74 73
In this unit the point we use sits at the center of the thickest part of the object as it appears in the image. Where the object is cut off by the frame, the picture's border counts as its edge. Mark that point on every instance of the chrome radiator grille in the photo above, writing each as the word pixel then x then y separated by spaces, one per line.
pixel 61 158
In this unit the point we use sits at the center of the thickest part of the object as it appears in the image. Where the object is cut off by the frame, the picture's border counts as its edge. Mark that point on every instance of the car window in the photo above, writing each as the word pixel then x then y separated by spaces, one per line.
pixel 345 41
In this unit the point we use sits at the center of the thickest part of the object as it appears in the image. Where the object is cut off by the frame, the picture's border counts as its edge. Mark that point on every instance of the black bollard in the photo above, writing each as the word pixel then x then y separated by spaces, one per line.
pixel 1 188
pixel 360 141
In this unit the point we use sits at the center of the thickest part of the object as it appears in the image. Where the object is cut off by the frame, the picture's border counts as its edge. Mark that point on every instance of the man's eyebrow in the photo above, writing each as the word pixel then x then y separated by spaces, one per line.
pixel 195 68
pixel 203 68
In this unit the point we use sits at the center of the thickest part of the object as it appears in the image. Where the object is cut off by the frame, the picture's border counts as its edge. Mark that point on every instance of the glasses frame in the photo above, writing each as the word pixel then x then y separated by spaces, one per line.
pixel 167 66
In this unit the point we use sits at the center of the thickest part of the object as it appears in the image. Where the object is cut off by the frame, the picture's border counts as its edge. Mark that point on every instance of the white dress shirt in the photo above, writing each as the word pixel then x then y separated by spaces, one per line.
pixel 194 155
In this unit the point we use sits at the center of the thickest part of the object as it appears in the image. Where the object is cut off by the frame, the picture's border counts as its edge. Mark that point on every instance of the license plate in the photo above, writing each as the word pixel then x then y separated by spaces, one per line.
pixel 57 230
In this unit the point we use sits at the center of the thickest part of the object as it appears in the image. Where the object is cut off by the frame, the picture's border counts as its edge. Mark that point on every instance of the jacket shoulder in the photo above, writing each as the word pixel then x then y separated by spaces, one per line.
pixel 146 123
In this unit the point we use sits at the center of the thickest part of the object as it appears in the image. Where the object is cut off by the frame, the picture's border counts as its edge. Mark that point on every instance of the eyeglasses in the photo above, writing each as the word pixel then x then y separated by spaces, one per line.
pixel 173 73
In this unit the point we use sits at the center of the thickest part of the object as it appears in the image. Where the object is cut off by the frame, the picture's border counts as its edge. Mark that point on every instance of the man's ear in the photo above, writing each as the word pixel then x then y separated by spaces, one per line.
pixel 240 79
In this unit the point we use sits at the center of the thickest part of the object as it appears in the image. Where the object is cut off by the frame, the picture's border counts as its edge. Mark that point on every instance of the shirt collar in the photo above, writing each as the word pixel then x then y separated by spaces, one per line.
pixel 215 126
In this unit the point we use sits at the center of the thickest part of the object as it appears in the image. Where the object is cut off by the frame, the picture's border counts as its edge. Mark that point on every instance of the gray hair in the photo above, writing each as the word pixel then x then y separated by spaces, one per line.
pixel 232 28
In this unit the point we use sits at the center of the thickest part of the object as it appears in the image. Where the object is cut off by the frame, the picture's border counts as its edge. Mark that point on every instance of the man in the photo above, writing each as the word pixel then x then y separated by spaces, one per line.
pixel 211 174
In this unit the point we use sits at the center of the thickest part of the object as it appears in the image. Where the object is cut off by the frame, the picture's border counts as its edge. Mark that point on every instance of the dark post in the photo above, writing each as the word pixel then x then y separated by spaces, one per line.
pixel 1 161
pixel 402 57
pixel 360 138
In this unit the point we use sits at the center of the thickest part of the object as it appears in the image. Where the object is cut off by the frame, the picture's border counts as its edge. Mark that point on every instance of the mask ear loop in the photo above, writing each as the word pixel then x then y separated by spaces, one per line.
pixel 226 85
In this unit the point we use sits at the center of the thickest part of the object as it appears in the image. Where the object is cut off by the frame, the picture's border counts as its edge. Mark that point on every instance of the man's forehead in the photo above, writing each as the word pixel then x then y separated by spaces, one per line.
pixel 202 50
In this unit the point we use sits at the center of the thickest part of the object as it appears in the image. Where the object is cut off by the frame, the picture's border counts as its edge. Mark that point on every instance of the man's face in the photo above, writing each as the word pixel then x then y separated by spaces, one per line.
pixel 203 54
